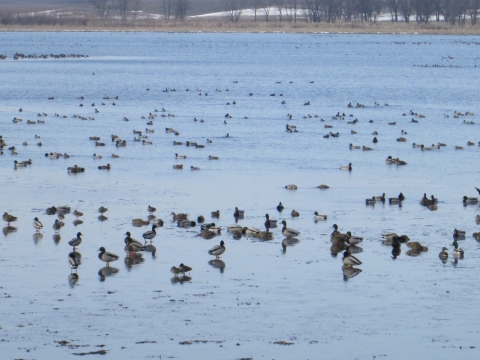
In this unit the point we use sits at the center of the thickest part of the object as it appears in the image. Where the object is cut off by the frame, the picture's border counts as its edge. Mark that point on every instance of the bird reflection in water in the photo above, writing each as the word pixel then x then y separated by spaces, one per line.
pixel 396 253
pixel 77 222
pixel 150 248
pixel 350 272
pixel 180 279
pixel 102 218
pixel 413 252
pixel 107 271
pixel 37 237
pixel 9 229
pixel 335 249
pixel 289 242
pixel 133 259
pixel 56 238
pixel 217 264
pixel 73 279
pixel 75 260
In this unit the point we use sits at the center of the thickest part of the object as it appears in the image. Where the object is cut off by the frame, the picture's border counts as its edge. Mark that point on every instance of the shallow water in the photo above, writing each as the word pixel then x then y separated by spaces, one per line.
pixel 261 294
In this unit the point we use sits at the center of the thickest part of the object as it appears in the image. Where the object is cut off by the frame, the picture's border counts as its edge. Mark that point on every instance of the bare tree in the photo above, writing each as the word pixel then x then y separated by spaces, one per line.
pixel 406 9
pixel 280 4
pixel 256 5
pixel 167 9
pixel 234 9
pixel 393 5
pixel 291 10
pixel 136 7
pixel 181 8
pixel 314 8
pixel 123 8
pixel 103 7
pixel 267 7
pixel 474 7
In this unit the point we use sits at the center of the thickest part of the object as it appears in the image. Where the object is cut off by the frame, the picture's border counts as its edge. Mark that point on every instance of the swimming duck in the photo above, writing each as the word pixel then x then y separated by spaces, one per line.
pixel 157 222
pixel 95 156
pixel 104 167
pixel 323 186
pixel 106 256
pixel 371 201
pixel 287 232
pixel 180 156
pixel 184 268
pixel 264 235
pixel 238 213
pixel 210 157
pixel 443 254
pixel 295 213
pixel 380 197
pixel 9 218
pixel 319 217
pixel 417 246
pixel 151 209
pixel 389 235
pixel 186 223
pixel 180 216
pixel 291 187
pixel 37 224
pixel 76 241
pixel 250 231
pixel 353 240
pixel 280 207
pixel 200 219
pixel 235 228
pixel 194 168
pixel 270 223
pixel 470 200
pixel 352 147
pixel 178 167
pixel 457 252
pixel 349 167
pixel 458 233
pixel 216 214
pixel 149 235
pixel 349 260
pixel 476 235
pixel 218 250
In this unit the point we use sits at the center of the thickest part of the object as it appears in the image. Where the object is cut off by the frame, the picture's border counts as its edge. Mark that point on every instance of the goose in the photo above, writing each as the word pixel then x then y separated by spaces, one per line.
pixel 149 235
pixel 371 201
pixel 218 250
pixel 380 197
pixel 216 214
pixel 77 213
pixel 470 200
pixel 319 217
pixel 76 241
pixel 184 268
pixel 102 210
pixel 443 254
pixel 270 223
pixel 106 256
pixel 178 167
pixel 238 213
pixel 151 209
pixel 295 213
pixel 57 225
pixel 194 168
pixel 180 156
pixel 457 252
pixel 37 224
pixel 353 240
pixel 280 207
pixel 72 261
pixel 9 218
pixel 104 167
pixel 345 167
pixel 287 232
pixel 417 246
pixel 349 260
pixel 210 157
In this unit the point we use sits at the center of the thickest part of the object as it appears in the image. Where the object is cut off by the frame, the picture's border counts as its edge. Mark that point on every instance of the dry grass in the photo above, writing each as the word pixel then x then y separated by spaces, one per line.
pixel 45 23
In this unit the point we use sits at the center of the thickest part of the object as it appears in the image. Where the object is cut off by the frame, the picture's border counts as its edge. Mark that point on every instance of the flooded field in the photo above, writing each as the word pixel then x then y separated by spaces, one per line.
pixel 236 95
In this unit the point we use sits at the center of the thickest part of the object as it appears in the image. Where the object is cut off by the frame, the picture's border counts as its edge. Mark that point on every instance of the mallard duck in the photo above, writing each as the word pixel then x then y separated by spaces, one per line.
pixel 353 240
pixel 349 260
pixel 72 261
pixel 129 236
pixel 102 210
pixel 177 156
pixel 216 214
pixel 443 254
pixel 77 213
pixel 345 167
pixel 37 224
pixel 280 207
pixel 319 217
pixel 139 222
pixel 149 235
pixel 250 231
pixel 51 210
pixel 389 235
pixel 417 246
pixel 295 213
pixel 96 156
pixel 264 235
pixel 396 200
pixel 9 218
pixel 270 223
pixel 470 200
pixel 63 209
pixel 352 147
pixel 239 213
pixel 323 187
pixel 176 271
pixel 184 268
pixel 186 223
pixel 234 228
pixel 337 237
pixel 57 225
pixel 178 167
pixel 132 246
pixel 380 197
pixel 287 232
pixel 106 256
pixel 151 209
pixel 76 241
pixel 210 157
pixel 458 233
pixel 291 187
pixel 457 252
pixel 476 235
pixel 180 216
pixel 207 234
pixel 218 250
pixel 194 168
pixel 396 243
pixel 371 201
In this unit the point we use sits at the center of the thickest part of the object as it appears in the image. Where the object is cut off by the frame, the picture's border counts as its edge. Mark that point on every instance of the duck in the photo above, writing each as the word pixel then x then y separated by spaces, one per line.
pixel 349 260
pixel 295 213
pixel 443 254
pixel 151 209
pixel 417 145
pixel 476 236
pixel 319 217
pixel 57 225
pixel 458 233
pixel 270 223
pixel 178 167
pixel 194 168
pixel 345 167
pixel 37 224
pixel 149 235
pixel 280 207
pixel 184 268
pixel 218 250
pixel 352 147
pixel 95 156
pixel 264 235
pixel 131 246
pixel 380 197
pixel 102 209
pixel 366 148
pixel 210 157
pixel 371 201
pixel 177 156
pixel 76 241
pixel 336 235
pixel 129 236
pixel 287 232
pixel 238 213
pixel 186 223
pixel 291 187
pixel 207 234
pixel 353 240
pixel 216 214
pixel 457 252
pixel 389 235
pixel 9 218
pixel 417 246
pixel 201 219
pixel 180 216
pixel 470 200
pixel 250 231
pixel 176 271
pixel 104 167
pixel 235 228
pixel 139 222
pixel 106 256
pixel 157 222
pixel 77 213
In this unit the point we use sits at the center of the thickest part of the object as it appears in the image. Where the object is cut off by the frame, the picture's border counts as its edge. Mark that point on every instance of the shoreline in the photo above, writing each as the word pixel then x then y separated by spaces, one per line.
pixel 206 26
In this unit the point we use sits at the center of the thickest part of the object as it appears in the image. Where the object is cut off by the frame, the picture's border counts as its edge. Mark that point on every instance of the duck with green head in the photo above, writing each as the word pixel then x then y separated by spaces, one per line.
pixel 457 252
pixel 287 232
